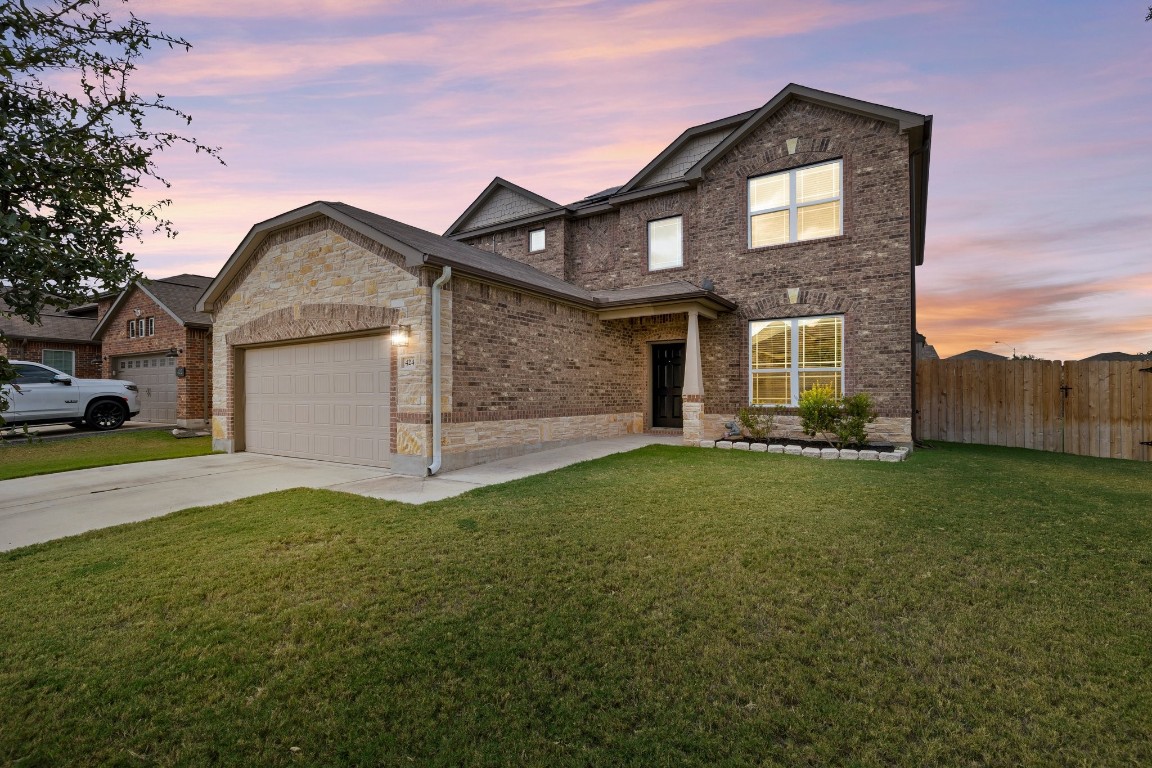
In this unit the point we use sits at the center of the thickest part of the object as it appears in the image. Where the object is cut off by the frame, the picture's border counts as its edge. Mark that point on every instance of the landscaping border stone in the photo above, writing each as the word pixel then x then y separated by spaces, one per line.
pixel 831 454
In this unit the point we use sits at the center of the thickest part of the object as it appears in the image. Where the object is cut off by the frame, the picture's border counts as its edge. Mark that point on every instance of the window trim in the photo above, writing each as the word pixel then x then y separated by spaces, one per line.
pixel 794 368
pixel 131 329
pixel 543 240
pixel 151 324
pixel 648 230
pixel 70 352
pixel 792 207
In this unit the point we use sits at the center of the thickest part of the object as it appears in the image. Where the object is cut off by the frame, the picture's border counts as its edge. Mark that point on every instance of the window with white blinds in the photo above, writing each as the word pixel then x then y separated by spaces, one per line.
pixel 800 204
pixel 787 357
pixel 666 243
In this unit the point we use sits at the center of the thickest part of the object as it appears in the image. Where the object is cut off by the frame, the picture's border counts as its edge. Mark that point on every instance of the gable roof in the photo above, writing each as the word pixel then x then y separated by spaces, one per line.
pixel 682 154
pixel 176 295
pixel 906 121
pixel 420 247
pixel 501 201
pixel 684 162
pixel 54 325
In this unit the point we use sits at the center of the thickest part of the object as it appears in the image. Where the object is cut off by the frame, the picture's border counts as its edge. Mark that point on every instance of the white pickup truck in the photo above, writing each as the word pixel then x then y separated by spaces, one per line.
pixel 43 395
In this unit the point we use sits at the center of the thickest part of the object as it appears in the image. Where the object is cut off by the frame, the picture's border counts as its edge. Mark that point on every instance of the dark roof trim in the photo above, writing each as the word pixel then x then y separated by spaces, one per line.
pixel 681 140
pixel 575 295
pixel 920 141
pixel 490 190
pixel 906 121
pixel 99 329
pixel 504 225
pixel 675 185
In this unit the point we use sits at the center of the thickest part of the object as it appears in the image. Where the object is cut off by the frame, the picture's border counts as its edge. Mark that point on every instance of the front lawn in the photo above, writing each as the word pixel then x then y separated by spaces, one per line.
pixel 21 459
pixel 971 606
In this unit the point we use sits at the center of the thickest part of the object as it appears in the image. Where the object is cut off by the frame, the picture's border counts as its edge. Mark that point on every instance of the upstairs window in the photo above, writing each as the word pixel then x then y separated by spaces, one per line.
pixel 800 204
pixel 131 329
pixel 666 243
pixel 535 240
pixel 788 357
pixel 151 326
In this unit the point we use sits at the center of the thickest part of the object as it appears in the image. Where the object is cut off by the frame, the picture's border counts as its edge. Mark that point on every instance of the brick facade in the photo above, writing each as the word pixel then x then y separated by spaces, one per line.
pixel 864 274
pixel 193 347
pixel 525 369
pixel 87 356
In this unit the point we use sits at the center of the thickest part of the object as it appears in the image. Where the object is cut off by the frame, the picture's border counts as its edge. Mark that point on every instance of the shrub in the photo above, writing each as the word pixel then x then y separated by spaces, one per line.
pixel 757 420
pixel 819 412
pixel 822 413
pixel 856 413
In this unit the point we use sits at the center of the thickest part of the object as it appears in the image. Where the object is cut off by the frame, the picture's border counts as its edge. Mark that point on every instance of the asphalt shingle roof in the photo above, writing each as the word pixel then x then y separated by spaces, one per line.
pixel 180 294
pixel 54 326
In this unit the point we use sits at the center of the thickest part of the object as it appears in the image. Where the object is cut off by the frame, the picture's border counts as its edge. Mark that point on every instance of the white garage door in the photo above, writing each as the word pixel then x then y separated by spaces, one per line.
pixel 155 375
pixel 321 400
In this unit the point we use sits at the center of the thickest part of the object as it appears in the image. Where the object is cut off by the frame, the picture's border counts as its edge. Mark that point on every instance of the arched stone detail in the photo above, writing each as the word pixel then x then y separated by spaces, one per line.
pixel 808 303
pixel 302 321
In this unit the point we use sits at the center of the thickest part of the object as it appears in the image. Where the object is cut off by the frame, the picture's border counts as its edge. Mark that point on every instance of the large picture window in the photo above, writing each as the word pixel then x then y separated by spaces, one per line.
pixel 790 356
pixel 800 204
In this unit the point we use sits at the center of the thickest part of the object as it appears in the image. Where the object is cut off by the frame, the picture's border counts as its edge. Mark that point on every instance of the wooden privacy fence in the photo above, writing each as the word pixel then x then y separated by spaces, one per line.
pixel 1092 409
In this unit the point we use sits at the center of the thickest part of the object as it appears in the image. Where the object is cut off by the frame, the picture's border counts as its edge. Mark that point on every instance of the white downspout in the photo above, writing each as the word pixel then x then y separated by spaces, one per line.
pixel 445 276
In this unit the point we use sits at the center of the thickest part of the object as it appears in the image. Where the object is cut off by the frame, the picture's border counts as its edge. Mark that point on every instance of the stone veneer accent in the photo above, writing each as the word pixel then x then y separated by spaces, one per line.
pixel 319 279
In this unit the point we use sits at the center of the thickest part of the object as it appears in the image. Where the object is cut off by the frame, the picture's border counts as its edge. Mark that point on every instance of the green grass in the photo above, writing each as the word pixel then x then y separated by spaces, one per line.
pixel 21 459
pixel 971 606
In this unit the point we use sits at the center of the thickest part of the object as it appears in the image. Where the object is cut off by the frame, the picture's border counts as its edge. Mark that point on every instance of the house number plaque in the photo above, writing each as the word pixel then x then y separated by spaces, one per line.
pixel 408 363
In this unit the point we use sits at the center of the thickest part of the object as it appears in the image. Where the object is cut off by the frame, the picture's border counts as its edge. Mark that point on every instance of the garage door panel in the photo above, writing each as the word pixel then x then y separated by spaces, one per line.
pixel 328 400
pixel 155 377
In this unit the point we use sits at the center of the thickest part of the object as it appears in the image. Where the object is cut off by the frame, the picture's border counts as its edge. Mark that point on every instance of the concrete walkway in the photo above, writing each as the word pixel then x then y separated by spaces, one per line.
pixel 37 509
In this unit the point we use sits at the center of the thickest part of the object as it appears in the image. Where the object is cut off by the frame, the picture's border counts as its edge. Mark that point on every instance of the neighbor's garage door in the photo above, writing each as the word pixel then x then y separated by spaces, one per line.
pixel 155 375
pixel 321 400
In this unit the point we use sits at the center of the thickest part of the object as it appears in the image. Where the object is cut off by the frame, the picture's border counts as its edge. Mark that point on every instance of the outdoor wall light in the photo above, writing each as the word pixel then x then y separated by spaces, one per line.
pixel 400 334
pixel 173 352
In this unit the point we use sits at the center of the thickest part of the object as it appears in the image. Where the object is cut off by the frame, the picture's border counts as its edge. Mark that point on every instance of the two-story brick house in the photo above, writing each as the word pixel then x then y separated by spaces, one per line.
pixel 754 257
pixel 151 333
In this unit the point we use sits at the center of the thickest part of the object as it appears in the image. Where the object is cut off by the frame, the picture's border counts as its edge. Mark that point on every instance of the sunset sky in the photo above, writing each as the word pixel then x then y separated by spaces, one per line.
pixel 1040 201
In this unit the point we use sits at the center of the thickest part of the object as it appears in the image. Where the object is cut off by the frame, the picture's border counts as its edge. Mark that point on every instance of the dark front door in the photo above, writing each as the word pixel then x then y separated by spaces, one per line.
pixel 667 385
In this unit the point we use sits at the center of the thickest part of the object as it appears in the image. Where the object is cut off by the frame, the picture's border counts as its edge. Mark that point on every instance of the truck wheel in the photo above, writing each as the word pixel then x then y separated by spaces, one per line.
pixel 105 415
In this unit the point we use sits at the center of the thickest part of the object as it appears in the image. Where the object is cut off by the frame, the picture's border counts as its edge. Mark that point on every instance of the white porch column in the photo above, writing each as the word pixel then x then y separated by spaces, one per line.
pixel 693 379
pixel 693 389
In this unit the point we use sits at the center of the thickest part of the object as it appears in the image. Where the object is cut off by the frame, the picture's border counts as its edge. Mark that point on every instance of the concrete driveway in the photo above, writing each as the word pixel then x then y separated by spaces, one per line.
pixel 36 509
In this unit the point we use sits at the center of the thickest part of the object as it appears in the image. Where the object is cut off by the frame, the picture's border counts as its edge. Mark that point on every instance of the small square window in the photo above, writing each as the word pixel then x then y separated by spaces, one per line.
pixel 535 240
pixel 666 243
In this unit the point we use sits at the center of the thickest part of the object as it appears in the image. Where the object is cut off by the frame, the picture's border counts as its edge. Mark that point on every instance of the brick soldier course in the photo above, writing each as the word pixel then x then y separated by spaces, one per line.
pixel 549 346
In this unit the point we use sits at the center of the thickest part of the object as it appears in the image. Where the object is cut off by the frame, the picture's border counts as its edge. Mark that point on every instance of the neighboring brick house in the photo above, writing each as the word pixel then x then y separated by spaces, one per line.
pixel 62 340
pixel 152 334
pixel 754 257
